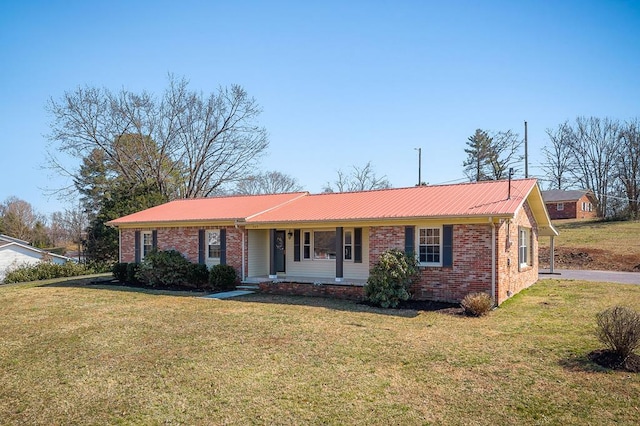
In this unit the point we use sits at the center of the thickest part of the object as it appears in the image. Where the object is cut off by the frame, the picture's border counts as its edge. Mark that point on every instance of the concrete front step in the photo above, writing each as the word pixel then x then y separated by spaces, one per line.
pixel 251 287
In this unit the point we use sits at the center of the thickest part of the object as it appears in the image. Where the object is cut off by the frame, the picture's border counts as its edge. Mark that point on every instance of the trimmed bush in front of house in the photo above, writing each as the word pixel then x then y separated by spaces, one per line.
pixel 120 271
pixel 390 278
pixel 223 277
pixel 163 268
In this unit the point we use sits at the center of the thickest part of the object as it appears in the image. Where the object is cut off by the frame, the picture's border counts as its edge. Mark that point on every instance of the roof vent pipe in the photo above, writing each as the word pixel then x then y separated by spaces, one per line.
pixel 509 191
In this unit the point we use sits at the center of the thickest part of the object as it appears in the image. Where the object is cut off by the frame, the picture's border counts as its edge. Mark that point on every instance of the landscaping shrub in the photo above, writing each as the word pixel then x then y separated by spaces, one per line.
pixel 476 304
pixel 390 278
pixel 223 277
pixel 44 271
pixel 132 273
pixel 120 271
pixel 164 268
pixel 198 276
pixel 619 329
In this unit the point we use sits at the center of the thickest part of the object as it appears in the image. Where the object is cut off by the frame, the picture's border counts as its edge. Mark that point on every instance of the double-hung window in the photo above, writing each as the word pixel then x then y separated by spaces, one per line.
pixel 147 244
pixel 524 247
pixel 559 206
pixel 348 245
pixel 430 246
pixel 306 245
pixel 213 244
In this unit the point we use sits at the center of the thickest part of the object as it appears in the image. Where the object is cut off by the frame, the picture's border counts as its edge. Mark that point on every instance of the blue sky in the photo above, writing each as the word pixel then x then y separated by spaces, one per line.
pixel 341 83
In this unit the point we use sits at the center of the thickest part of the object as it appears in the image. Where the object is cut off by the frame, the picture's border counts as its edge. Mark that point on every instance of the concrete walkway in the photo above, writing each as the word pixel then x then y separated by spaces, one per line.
pixel 227 294
pixel 600 276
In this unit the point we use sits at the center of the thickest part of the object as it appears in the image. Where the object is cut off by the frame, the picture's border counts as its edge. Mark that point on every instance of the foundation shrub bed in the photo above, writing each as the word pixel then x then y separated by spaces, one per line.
pixel 167 269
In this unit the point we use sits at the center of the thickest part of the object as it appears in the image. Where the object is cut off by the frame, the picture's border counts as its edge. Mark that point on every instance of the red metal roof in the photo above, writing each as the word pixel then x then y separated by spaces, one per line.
pixel 460 200
pixel 208 209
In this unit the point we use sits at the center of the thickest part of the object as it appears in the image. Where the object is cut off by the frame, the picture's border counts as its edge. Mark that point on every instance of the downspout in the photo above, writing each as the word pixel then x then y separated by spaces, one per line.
pixel 493 263
pixel 119 247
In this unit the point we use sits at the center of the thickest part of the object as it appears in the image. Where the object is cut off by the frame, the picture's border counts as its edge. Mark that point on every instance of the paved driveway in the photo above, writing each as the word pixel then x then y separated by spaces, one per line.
pixel 600 276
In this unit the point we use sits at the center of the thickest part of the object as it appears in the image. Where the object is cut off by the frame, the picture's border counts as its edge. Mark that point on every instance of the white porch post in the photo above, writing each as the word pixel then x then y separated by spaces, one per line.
pixel 551 254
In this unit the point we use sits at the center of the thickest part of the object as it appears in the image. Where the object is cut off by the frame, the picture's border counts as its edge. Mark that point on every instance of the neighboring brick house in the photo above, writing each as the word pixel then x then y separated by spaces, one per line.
pixel 467 237
pixel 572 204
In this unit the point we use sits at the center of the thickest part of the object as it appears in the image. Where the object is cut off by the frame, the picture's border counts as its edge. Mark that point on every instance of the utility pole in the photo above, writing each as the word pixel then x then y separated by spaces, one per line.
pixel 526 152
pixel 419 165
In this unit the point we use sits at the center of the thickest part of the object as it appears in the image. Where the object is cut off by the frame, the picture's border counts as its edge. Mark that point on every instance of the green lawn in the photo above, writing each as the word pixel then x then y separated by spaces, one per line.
pixel 81 355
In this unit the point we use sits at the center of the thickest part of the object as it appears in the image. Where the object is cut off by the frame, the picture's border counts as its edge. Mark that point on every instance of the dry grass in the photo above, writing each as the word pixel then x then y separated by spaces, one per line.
pixel 82 355
pixel 616 237
pixel 595 245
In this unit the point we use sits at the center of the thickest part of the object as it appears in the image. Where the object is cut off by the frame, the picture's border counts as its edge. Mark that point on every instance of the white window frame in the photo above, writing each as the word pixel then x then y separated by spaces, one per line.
pixel 307 245
pixel 426 244
pixel 213 235
pixel 559 206
pixel 524 247
pixel 347 245
pixel 144 245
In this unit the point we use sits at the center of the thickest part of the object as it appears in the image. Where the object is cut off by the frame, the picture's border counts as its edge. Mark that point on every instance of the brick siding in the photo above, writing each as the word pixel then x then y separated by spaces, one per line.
pixel 572 210
pixel 184 240
pixel 341 291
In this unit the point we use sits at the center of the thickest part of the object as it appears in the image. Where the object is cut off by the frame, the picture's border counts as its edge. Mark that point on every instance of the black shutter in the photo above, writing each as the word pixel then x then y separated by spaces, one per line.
pixel 447 245
pixel 154 239
pixel 339 252
pixel 409 240
pixel 296 245
pixel 357 245
pixel 223 246
pixel 201 246
pixel 137 246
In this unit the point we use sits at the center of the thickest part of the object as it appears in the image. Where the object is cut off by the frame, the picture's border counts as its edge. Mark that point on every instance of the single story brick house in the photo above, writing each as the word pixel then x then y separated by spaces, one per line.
pixel 467 237
pixel 572 204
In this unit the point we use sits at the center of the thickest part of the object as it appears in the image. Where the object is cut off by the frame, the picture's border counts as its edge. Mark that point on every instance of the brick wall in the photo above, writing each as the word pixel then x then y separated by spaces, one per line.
pixel 184 240
pixel 472 260
pixel 341 291
pixel 511 278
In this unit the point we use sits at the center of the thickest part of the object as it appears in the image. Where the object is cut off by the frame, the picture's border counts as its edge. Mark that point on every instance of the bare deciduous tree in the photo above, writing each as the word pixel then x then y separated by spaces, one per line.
pixel 629 165
pixel 358 179
pixel 596 150
pixel 186 143
pixel 505 154
pixel 20 220
pixel 272 182
pixel 559 158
